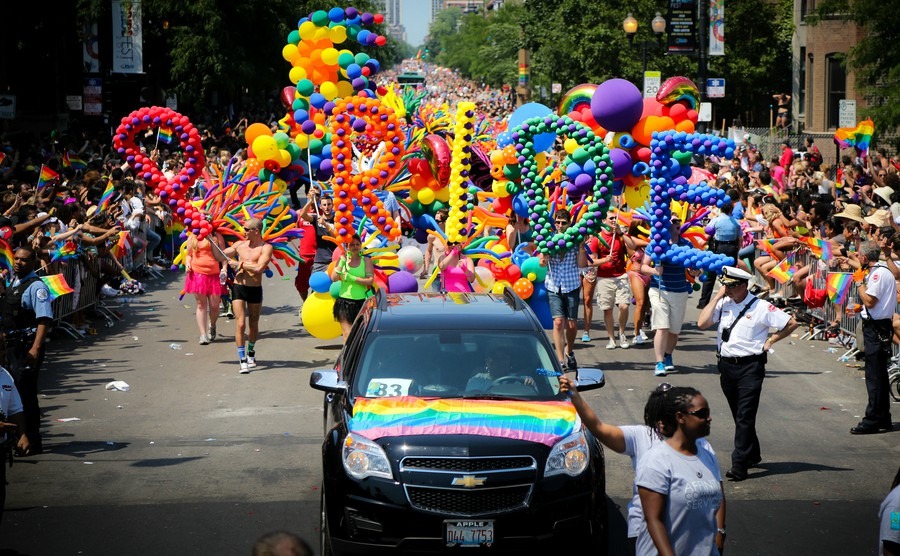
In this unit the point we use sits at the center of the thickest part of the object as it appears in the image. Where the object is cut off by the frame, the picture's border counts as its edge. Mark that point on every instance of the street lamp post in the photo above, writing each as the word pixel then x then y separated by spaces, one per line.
pixel 630 26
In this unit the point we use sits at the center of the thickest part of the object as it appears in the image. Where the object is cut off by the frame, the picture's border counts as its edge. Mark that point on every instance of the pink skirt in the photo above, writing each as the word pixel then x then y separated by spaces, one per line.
pixel 203 284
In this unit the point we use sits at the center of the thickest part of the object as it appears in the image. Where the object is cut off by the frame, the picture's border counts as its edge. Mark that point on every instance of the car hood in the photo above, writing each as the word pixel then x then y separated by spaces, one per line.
pixel 545 422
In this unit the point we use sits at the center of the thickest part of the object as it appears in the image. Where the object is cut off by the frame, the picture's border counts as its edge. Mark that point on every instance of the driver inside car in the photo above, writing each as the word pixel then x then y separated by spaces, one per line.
pixel 496 365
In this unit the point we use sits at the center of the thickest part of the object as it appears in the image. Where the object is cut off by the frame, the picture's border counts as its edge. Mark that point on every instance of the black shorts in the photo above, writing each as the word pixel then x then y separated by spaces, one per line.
pixel 250 294
pixel 345 310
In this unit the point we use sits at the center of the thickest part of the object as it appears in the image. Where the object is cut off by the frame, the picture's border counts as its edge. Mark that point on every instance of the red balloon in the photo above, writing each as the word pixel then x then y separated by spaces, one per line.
pixel 381 40
pixel 287 96
pixel 379 18
pixel 678 112
pixel 575 115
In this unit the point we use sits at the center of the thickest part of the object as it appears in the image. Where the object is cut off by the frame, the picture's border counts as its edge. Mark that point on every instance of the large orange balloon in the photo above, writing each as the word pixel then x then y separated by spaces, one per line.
pixel 256 130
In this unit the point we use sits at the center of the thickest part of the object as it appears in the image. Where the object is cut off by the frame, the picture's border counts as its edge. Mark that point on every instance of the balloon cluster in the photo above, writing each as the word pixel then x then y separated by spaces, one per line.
pixel 429 176
pixel 460 164
pixel 589 149
pixel 359 115
pixel 166 121
pixel 669 182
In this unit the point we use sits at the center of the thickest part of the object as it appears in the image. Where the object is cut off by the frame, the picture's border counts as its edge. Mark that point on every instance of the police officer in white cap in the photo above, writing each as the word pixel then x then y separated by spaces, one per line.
pixel 743 343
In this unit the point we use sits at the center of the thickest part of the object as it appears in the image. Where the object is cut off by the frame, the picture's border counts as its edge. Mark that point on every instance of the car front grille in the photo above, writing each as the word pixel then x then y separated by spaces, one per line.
pixel 469 503
pixel 468 465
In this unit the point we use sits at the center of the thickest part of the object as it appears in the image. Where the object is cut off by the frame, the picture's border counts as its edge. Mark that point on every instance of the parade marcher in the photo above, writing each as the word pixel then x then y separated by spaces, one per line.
pixel 253 258
pixel 12 424
pixel 613 288
pixel 323 220
pixel 640 283
pixel 725 238
pixel 888 518
pixel 669 291
pixel 307 251
pixel 743 346
pixel 434 249
pixel 563 284
pixel 27 318
pixel 457 270
pixel 356 275
pixel 632 440
pixel 205 279
pixel 878 298
pixel 679 483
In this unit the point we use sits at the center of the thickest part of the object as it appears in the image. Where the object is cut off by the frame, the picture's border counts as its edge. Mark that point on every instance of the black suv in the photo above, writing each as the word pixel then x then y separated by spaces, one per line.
pixel 445 428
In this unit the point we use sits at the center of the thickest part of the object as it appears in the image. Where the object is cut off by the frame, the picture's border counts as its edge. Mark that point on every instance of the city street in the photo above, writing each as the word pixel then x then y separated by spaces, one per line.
pixel 197 459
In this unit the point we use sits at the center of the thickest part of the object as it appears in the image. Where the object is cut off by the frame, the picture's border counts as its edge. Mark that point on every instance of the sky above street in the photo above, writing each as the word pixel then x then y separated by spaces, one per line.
pixel 415 16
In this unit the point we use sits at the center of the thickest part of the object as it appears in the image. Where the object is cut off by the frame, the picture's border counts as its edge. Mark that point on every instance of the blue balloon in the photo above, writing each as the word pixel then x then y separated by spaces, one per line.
pixel 543 141
pixel 520 255
pixel 319 282
pixel 504 139
pixel 520 205
pixel 541 306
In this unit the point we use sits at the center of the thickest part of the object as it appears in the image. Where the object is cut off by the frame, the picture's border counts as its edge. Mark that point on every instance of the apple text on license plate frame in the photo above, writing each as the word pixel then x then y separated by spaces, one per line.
pixel 469 533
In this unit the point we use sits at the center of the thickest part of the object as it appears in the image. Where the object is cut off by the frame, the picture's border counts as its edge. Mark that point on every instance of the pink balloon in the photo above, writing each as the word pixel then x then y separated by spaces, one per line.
pixel 651 107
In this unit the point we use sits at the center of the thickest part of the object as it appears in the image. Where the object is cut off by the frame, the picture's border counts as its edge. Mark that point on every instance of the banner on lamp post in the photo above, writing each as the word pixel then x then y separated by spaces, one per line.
pixel 716 27
pixel 680 26
pixel 127 37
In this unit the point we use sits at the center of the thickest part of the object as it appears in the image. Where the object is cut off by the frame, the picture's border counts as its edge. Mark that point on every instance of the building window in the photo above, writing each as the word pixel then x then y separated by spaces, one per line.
pixel 835 86
pixel 803 9
pixel 801 78
pixel 811 88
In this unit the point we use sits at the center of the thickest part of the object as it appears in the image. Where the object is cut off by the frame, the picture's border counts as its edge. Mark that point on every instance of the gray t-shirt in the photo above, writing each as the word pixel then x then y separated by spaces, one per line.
pixel 639 439
pixel 692 486
pixel 889 518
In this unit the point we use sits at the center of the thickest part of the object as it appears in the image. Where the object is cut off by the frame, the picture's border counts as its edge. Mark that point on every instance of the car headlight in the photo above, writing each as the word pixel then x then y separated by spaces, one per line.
pixel 363 458
pixel 569 455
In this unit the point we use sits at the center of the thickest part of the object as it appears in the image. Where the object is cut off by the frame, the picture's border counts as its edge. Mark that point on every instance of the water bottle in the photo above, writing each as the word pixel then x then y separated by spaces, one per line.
pixel 223 276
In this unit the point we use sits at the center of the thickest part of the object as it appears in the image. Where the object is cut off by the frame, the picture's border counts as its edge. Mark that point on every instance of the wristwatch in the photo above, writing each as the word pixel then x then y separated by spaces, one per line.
pixel 721 531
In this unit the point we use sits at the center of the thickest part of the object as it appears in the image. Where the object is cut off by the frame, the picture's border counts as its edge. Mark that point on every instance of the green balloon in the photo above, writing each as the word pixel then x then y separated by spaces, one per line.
pixel 320 18
pixel 437 205
pixel 305 87
pixel 294 37
pixel 345 60
pixel 335 289
pixel 416 208
pixel 580 155
pixel 361 58
pixel 512 171
pixel 315 146
pixel 683 158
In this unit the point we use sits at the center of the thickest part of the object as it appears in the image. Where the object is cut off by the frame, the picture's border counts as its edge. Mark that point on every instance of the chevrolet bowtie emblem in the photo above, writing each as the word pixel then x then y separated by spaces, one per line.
pixel 468 481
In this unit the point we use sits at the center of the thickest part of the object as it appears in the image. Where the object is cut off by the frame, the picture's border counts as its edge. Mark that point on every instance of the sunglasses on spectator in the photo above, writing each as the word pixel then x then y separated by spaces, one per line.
pixel 700 413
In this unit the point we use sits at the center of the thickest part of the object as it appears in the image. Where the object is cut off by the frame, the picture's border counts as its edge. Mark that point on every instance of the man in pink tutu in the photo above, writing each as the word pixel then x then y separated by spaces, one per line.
pixel 254 255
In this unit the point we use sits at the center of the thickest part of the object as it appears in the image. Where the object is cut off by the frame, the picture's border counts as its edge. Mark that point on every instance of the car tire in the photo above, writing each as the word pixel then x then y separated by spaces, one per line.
pixel 324 534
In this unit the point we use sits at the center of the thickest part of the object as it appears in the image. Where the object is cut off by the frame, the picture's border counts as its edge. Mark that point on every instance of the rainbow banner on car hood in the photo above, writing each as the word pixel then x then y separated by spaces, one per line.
pixel 544 422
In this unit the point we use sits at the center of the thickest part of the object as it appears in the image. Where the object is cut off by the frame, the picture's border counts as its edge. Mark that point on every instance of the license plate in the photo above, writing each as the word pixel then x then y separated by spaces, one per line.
pixel 469 533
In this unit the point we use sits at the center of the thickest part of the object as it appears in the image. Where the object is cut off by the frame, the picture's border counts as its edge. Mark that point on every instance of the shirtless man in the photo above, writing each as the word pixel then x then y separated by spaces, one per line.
pixel 253 257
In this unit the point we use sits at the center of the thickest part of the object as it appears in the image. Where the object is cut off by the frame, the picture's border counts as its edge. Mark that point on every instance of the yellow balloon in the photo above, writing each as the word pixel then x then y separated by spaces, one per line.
pixel 302 140
pixel 499 286
pixel 297 74
pixel 265 147
pixel 283 158
pixel 328 89
pixel 345 89
pixel 636 196
pixel 541 160
pixel 330 57
pixel 443 194
pixel 499 188
pixel 289 51
pixel 570 145
pixel 317 316
pixel 307 30
pixel 390 262
pixel 426 196
pixel 338 34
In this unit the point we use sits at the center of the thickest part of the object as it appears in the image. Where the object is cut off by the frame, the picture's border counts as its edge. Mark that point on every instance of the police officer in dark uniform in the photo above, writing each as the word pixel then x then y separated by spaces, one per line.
pixel 743 346
pixel 27 316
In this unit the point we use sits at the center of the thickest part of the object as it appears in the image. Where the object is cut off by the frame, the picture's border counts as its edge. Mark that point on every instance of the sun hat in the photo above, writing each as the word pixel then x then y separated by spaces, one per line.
pixel 881 217
pixel 851 212
pixel 885 193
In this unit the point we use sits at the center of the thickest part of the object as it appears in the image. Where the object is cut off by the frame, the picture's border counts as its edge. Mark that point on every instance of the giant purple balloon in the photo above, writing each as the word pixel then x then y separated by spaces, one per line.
pixel 621 163
pixel 402 282
pixel 617 105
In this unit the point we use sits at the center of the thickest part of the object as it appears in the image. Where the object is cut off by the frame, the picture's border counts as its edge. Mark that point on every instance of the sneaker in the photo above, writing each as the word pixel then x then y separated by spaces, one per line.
pixel 571 364
pixel 212 333
pixel 660 369
pixel 245 368
pixel 611 344
pixel 585 337
pixel 623 341
pixel 251 362
pixel 669 365
pixel 204 341
pixel 640 338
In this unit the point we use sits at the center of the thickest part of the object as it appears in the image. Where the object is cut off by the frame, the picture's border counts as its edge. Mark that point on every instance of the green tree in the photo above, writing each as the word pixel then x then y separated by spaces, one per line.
pixel 874 59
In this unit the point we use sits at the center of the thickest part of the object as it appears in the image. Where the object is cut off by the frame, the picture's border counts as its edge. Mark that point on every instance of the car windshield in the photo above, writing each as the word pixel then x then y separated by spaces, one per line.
pixel 457 364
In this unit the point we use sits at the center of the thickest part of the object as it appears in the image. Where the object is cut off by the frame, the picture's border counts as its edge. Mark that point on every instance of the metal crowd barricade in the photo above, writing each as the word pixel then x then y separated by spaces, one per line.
pixel 85 278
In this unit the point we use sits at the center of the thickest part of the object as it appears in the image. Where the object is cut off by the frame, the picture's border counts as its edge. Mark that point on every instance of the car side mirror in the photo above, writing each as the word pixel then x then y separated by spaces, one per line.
pixel 589 379
pixel 327 380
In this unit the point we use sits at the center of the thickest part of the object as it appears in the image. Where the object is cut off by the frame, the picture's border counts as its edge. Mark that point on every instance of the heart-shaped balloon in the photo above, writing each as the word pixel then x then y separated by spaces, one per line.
pixel 357 116
pixel 596 203
pixel 171 127
pixel 669 182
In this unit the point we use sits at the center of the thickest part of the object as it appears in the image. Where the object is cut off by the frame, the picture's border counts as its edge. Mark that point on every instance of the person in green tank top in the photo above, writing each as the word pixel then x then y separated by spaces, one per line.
pixel 356 275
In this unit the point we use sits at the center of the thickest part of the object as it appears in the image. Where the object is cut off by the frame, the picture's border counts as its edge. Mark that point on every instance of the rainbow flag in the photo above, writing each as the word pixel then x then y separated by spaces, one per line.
pixel 837 285
pixel 820 248
pixel 121 246
pixel 165 135
pixel 47 175
pixel 68 250
pixel 544 422
pixel 6 257
pixel 107 196
pixel 857 137
pixel 57 285
pixel 767 245
pixel 77 163
pixel 784 270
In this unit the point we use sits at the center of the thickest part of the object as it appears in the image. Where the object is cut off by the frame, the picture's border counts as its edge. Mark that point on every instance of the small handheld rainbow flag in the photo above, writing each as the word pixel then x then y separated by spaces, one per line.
pixel 837 285
pixel 67 250
pixel 6 256
pixel 767 245
pixel 784 271
pixel 47 175
pixel 107 196
pixel 820 248
pixel 857 137
pixel 165 135
pixel 57 285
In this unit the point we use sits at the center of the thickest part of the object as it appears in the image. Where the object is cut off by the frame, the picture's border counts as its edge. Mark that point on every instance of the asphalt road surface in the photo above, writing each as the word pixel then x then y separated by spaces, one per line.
pixel 197 459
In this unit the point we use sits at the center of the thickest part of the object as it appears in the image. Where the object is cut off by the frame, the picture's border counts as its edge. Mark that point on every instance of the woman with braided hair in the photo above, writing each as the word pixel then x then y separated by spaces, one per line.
pixel 679 483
